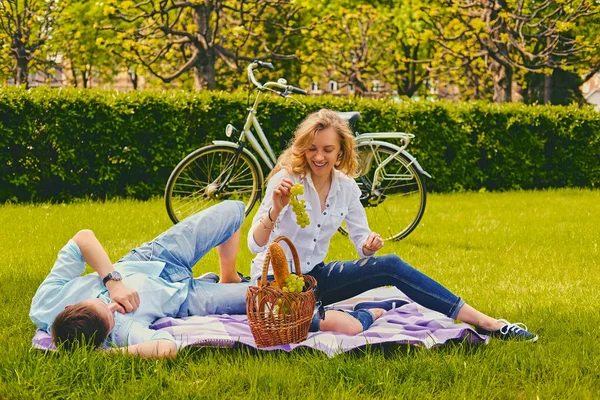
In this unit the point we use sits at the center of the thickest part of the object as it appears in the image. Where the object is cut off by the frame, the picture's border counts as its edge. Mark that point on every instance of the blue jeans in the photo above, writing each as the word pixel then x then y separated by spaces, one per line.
pixel 184 244
pixel 340 280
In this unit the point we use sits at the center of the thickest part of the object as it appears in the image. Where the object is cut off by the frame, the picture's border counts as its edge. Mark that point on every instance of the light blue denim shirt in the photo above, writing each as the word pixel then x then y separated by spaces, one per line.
pixel 64 285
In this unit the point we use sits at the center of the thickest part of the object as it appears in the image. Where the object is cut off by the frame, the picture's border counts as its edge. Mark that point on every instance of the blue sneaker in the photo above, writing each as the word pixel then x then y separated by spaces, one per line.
pixel 242 277
pixel 385 304
pixel 516 331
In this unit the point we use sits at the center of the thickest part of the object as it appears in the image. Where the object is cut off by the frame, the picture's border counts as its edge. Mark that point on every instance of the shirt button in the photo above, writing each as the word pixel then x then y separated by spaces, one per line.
pixel 327 205
pixel 318 225
pixel 325 213
pixel 308 263
pixel 314 240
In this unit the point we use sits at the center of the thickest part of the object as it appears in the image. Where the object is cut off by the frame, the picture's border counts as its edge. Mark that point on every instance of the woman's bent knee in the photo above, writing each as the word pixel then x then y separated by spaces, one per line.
pixel 394 266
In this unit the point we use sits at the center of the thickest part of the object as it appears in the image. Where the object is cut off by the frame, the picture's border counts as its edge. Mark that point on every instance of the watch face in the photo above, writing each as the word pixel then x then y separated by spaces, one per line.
pixel 116 276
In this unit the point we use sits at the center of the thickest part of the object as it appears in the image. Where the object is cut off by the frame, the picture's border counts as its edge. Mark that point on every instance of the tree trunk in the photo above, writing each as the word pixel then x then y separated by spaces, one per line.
pixel 502 82
pixel 210 73
pixel 84 78
pixel 133 77
pixel 21 68
pixel 547 89
pixel 198 79
pixel 74 73
pixel 204 71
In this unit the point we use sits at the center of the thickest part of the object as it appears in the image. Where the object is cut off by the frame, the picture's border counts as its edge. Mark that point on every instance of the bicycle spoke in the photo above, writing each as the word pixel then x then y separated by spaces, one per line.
pixel 192 195
pixel 190 206
pixel 237 176
pixel 211 177
pixel 192 184
pixel 399 204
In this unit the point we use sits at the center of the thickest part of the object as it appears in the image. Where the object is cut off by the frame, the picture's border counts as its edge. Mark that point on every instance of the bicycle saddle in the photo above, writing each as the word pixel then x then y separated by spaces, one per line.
pixel 351 116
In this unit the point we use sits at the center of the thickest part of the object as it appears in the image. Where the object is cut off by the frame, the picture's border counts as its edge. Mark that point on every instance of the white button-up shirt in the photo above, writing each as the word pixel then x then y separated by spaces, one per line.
pixel 312 242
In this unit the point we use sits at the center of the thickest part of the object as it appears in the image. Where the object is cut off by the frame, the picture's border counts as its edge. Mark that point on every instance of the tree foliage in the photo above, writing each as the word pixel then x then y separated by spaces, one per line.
pixel 172 37
pixel 81 45
pixel 534 36
pixel 25 28
pixel 458 49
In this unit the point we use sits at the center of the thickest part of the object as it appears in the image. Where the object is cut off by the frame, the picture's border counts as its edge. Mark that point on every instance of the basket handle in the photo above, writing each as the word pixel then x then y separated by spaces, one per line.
pixel 263 280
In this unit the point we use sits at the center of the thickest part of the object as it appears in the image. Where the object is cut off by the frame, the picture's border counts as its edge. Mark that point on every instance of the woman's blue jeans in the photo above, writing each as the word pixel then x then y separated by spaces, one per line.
pixel 340 280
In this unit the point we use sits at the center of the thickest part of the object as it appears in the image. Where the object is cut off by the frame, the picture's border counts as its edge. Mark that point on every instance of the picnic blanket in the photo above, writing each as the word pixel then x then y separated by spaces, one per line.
pixel 409 324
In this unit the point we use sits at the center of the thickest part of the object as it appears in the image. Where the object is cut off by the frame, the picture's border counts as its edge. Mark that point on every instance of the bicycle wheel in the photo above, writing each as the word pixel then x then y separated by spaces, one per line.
pixel 208 176
pixel 398 204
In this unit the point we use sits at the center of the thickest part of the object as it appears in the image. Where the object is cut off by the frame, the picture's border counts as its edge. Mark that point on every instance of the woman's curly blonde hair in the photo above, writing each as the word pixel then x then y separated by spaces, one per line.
pixel 293 158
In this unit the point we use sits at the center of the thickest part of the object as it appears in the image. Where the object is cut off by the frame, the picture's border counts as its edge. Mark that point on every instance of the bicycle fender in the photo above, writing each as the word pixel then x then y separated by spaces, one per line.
pixel 416 163
pixel 249 154
pixel 410 157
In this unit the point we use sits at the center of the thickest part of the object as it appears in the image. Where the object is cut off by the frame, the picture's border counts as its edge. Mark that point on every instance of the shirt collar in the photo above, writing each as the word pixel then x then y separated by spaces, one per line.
pixel 335 183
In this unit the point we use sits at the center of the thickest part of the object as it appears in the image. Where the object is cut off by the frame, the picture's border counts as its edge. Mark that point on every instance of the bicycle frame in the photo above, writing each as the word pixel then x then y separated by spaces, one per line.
pixel 374 139
pixel 267 155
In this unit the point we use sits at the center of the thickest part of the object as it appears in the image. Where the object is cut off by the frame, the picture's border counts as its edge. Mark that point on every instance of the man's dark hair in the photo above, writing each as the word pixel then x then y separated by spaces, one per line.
pixel 80 323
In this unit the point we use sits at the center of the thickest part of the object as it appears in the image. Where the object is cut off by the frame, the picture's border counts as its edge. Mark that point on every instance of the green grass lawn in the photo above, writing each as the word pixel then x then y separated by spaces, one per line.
pixel 525 256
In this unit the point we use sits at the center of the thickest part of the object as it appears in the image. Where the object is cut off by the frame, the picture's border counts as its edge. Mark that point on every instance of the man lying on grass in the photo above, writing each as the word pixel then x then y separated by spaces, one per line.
pixel 116 305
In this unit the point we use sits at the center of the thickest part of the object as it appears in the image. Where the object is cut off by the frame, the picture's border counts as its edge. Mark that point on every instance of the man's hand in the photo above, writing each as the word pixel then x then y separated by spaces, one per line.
pixel 94 254
pixel 125 296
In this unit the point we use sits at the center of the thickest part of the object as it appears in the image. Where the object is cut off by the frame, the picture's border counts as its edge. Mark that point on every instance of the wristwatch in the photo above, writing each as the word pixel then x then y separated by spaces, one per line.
pixel 112 276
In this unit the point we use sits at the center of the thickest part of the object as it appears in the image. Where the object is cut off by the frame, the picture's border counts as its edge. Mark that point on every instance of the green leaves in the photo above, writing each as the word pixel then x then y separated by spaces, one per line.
pixel 68 144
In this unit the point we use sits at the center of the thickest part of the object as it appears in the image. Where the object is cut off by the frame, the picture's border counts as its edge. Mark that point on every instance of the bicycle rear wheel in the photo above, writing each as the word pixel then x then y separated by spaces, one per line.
pixel 208 176
pixel 398 204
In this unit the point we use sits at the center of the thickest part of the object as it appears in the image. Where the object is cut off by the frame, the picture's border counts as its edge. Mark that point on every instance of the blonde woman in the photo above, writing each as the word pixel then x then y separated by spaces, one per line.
pixel 323 158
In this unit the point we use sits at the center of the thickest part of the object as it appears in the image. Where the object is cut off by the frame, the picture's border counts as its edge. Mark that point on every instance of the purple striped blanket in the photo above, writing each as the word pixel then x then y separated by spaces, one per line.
pixel 408 324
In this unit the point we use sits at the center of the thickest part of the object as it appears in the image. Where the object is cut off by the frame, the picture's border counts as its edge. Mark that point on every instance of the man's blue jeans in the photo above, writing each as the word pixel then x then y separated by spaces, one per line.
pixel 184 244
pixel 340 280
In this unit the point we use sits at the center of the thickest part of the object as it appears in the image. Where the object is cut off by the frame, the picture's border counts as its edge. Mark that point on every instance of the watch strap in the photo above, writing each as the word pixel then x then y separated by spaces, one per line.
pixel 111 276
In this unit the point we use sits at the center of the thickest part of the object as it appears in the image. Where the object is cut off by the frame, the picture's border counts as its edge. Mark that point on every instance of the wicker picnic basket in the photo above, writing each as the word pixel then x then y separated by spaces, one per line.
pixel 277 317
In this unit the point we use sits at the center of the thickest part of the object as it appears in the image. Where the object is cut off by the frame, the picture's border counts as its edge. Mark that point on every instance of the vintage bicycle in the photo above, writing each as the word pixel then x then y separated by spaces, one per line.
pixel 391 181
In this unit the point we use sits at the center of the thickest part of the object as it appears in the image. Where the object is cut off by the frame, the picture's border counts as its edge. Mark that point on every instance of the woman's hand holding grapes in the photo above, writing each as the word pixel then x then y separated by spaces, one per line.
pixel 286 192
pixel 281 195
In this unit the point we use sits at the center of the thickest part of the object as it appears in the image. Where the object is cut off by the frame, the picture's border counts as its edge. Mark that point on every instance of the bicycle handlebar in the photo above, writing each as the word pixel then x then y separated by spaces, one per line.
pixel 264 64
pixel 294 89
pixel 270 85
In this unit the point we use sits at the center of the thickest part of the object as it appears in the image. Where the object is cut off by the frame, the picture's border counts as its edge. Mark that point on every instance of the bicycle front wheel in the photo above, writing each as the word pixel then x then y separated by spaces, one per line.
pixel 208 176
pixel 393 191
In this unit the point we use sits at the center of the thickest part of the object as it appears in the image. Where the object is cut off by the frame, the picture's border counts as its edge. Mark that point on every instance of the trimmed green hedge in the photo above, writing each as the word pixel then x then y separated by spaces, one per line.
pixel 64 144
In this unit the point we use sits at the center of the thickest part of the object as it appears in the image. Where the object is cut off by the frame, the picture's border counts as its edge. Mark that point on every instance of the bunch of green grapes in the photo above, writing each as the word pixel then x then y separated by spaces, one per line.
pixel 298 205
pixel 293 284
pixel 278 309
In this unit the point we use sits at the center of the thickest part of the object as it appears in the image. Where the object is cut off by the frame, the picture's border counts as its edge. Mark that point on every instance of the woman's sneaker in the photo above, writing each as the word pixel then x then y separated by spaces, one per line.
pixel 516 331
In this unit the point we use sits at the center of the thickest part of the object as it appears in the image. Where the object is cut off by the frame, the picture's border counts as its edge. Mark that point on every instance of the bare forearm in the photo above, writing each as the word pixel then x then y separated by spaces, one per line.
pixel 93 253
pixel 263 230
pixel 152 349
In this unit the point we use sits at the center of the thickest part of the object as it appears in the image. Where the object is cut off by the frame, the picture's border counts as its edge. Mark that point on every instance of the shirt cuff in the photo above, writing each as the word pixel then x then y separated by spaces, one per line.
pixel 254 247
pixel 359 250
pixel 73 249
